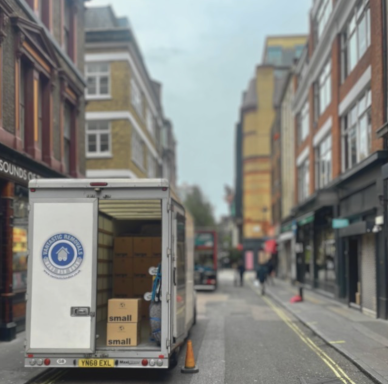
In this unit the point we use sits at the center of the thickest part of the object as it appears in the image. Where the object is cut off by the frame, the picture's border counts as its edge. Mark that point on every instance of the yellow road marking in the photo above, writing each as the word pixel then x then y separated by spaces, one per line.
pixel 55 377
pixel 319 352
pixel 337 342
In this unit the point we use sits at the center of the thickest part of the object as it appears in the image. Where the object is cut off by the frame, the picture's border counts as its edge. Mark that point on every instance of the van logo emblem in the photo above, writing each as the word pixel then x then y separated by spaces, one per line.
pixel 62 256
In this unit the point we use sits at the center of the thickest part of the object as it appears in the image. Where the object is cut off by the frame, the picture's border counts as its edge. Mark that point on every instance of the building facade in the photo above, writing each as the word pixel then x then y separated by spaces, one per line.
pixel 253 176
pixel 283 181
pixel 41 125
pixel 339 108
pixel 127 134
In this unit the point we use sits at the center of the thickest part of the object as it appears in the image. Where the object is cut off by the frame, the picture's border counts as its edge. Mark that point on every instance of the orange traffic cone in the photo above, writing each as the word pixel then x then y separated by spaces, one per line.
pixel 190 366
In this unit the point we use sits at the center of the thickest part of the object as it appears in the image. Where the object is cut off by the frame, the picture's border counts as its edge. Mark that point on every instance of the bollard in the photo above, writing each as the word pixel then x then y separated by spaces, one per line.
pixel 301 292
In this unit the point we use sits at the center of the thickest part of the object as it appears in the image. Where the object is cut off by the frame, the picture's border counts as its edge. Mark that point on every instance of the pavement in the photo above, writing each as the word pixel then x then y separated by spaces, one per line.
pixel 12 360
pixel 240 337
pixel 362 339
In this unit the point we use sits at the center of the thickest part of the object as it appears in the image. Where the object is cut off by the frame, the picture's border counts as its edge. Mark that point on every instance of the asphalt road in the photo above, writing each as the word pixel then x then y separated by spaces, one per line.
pixel 240 337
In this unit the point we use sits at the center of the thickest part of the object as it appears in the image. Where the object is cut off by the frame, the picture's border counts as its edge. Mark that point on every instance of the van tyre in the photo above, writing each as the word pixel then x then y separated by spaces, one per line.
pixel 173 362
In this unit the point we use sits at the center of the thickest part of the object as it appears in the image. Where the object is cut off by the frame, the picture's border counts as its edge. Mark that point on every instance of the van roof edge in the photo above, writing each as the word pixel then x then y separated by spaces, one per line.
pixel 111 183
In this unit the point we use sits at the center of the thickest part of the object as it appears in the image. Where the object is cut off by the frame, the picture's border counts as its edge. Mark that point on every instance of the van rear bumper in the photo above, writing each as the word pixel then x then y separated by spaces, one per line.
pixel 74 362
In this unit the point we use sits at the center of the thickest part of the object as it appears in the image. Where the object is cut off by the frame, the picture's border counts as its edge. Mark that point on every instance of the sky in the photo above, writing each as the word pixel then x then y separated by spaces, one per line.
pixel 204 52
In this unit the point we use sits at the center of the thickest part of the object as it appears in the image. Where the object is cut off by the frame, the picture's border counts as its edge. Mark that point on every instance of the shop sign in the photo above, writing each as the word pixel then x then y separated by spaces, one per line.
pixel 306 220
pixel 15 172
pixel 340 223
pixel 204 239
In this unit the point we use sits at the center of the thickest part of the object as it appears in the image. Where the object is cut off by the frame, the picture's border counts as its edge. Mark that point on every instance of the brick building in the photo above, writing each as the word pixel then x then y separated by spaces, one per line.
pixel 340 106
pixel 41 125
pixel 127 133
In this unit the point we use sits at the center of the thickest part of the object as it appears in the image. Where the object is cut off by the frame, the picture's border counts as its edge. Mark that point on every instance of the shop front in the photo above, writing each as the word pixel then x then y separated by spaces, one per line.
pixel 363 256
pixel 15 172
pixel 286 255
pixel 315 242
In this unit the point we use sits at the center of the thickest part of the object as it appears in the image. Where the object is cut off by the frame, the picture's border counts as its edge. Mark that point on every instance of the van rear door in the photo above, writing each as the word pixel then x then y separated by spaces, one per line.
pixel 62 266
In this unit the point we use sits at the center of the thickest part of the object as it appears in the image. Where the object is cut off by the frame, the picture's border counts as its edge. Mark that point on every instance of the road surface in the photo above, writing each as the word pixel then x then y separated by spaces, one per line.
pixel 240 337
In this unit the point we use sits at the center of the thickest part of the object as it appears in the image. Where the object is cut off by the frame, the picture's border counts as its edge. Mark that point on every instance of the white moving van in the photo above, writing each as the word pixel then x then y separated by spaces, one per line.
pixel 73 225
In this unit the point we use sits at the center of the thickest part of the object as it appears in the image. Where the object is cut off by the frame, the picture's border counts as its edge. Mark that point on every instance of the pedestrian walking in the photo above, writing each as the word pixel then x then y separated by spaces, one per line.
pixel 241 271
pixel 262 274
pixel 271 269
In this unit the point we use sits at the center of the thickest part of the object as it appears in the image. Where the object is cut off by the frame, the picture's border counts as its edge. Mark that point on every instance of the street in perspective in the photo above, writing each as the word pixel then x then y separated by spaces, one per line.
pixel 194 192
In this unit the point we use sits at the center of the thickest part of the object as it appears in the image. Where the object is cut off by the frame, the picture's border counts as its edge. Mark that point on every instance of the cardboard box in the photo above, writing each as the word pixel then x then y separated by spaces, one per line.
pixel 123 247
pixel 156 247
pixel 141 265
pixel 124 310
pixel 142 247
pixel 123 286
pixel 123 334
pixel 123 266
pixel 141 285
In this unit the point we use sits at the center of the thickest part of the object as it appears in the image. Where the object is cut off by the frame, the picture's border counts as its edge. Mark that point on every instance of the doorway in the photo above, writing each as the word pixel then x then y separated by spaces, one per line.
pixel 354 272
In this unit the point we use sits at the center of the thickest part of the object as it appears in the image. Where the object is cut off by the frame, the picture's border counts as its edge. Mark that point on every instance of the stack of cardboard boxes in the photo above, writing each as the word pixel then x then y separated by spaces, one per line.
pixel 133 257
pixel 123 267
pixel 123 328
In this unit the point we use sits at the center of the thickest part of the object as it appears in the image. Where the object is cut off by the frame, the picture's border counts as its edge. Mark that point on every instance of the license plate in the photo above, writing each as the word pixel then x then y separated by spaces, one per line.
pixel 96 363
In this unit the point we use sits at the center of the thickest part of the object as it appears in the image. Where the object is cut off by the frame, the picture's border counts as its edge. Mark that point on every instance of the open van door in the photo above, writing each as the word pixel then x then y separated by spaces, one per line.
pixel 179 272
pixel 61 301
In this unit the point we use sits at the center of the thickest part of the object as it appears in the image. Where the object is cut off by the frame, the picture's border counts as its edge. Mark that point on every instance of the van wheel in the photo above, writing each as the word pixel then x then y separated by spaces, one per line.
pixel 173 362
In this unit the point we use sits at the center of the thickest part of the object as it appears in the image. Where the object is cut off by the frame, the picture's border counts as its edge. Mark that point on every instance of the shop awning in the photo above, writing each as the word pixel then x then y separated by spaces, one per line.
pixel 270 246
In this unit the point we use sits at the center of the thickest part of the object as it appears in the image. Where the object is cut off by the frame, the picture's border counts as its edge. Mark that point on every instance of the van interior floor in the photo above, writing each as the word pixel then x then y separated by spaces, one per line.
pixel 145 343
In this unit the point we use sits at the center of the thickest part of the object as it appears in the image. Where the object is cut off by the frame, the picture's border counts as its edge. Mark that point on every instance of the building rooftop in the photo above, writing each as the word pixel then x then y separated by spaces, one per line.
pixel 101 18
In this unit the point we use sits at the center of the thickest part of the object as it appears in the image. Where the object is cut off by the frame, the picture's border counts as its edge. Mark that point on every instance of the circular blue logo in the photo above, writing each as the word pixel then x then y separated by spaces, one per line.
pixel 62 255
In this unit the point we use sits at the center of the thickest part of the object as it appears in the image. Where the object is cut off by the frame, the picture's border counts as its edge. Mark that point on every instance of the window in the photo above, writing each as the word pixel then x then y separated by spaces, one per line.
pixel 357 132
pixel 323 172
pixel 355 38
pixel 151 166
pixel 303 181
pixel 274 55
pixel 150 122
pixel 67 136
pixel 97 77
pixel 323 93
pixel 98 138
pixel 137 147
pixel 298 51
pixel 322 18
pixel 303 123
pixel 136 98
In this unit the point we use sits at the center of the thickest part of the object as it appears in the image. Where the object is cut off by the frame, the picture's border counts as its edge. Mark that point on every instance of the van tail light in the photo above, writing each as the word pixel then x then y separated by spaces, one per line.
pixel 99 184
pixel 144 362
pixel 32 189
pixel 47 361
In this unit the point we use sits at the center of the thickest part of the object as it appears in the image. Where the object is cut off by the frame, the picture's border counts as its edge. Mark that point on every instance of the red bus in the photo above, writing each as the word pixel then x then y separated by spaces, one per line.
pixel 205 259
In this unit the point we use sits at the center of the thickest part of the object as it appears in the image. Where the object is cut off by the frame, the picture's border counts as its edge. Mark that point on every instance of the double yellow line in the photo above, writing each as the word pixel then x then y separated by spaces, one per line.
pixel 53 378
pixel 338 371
